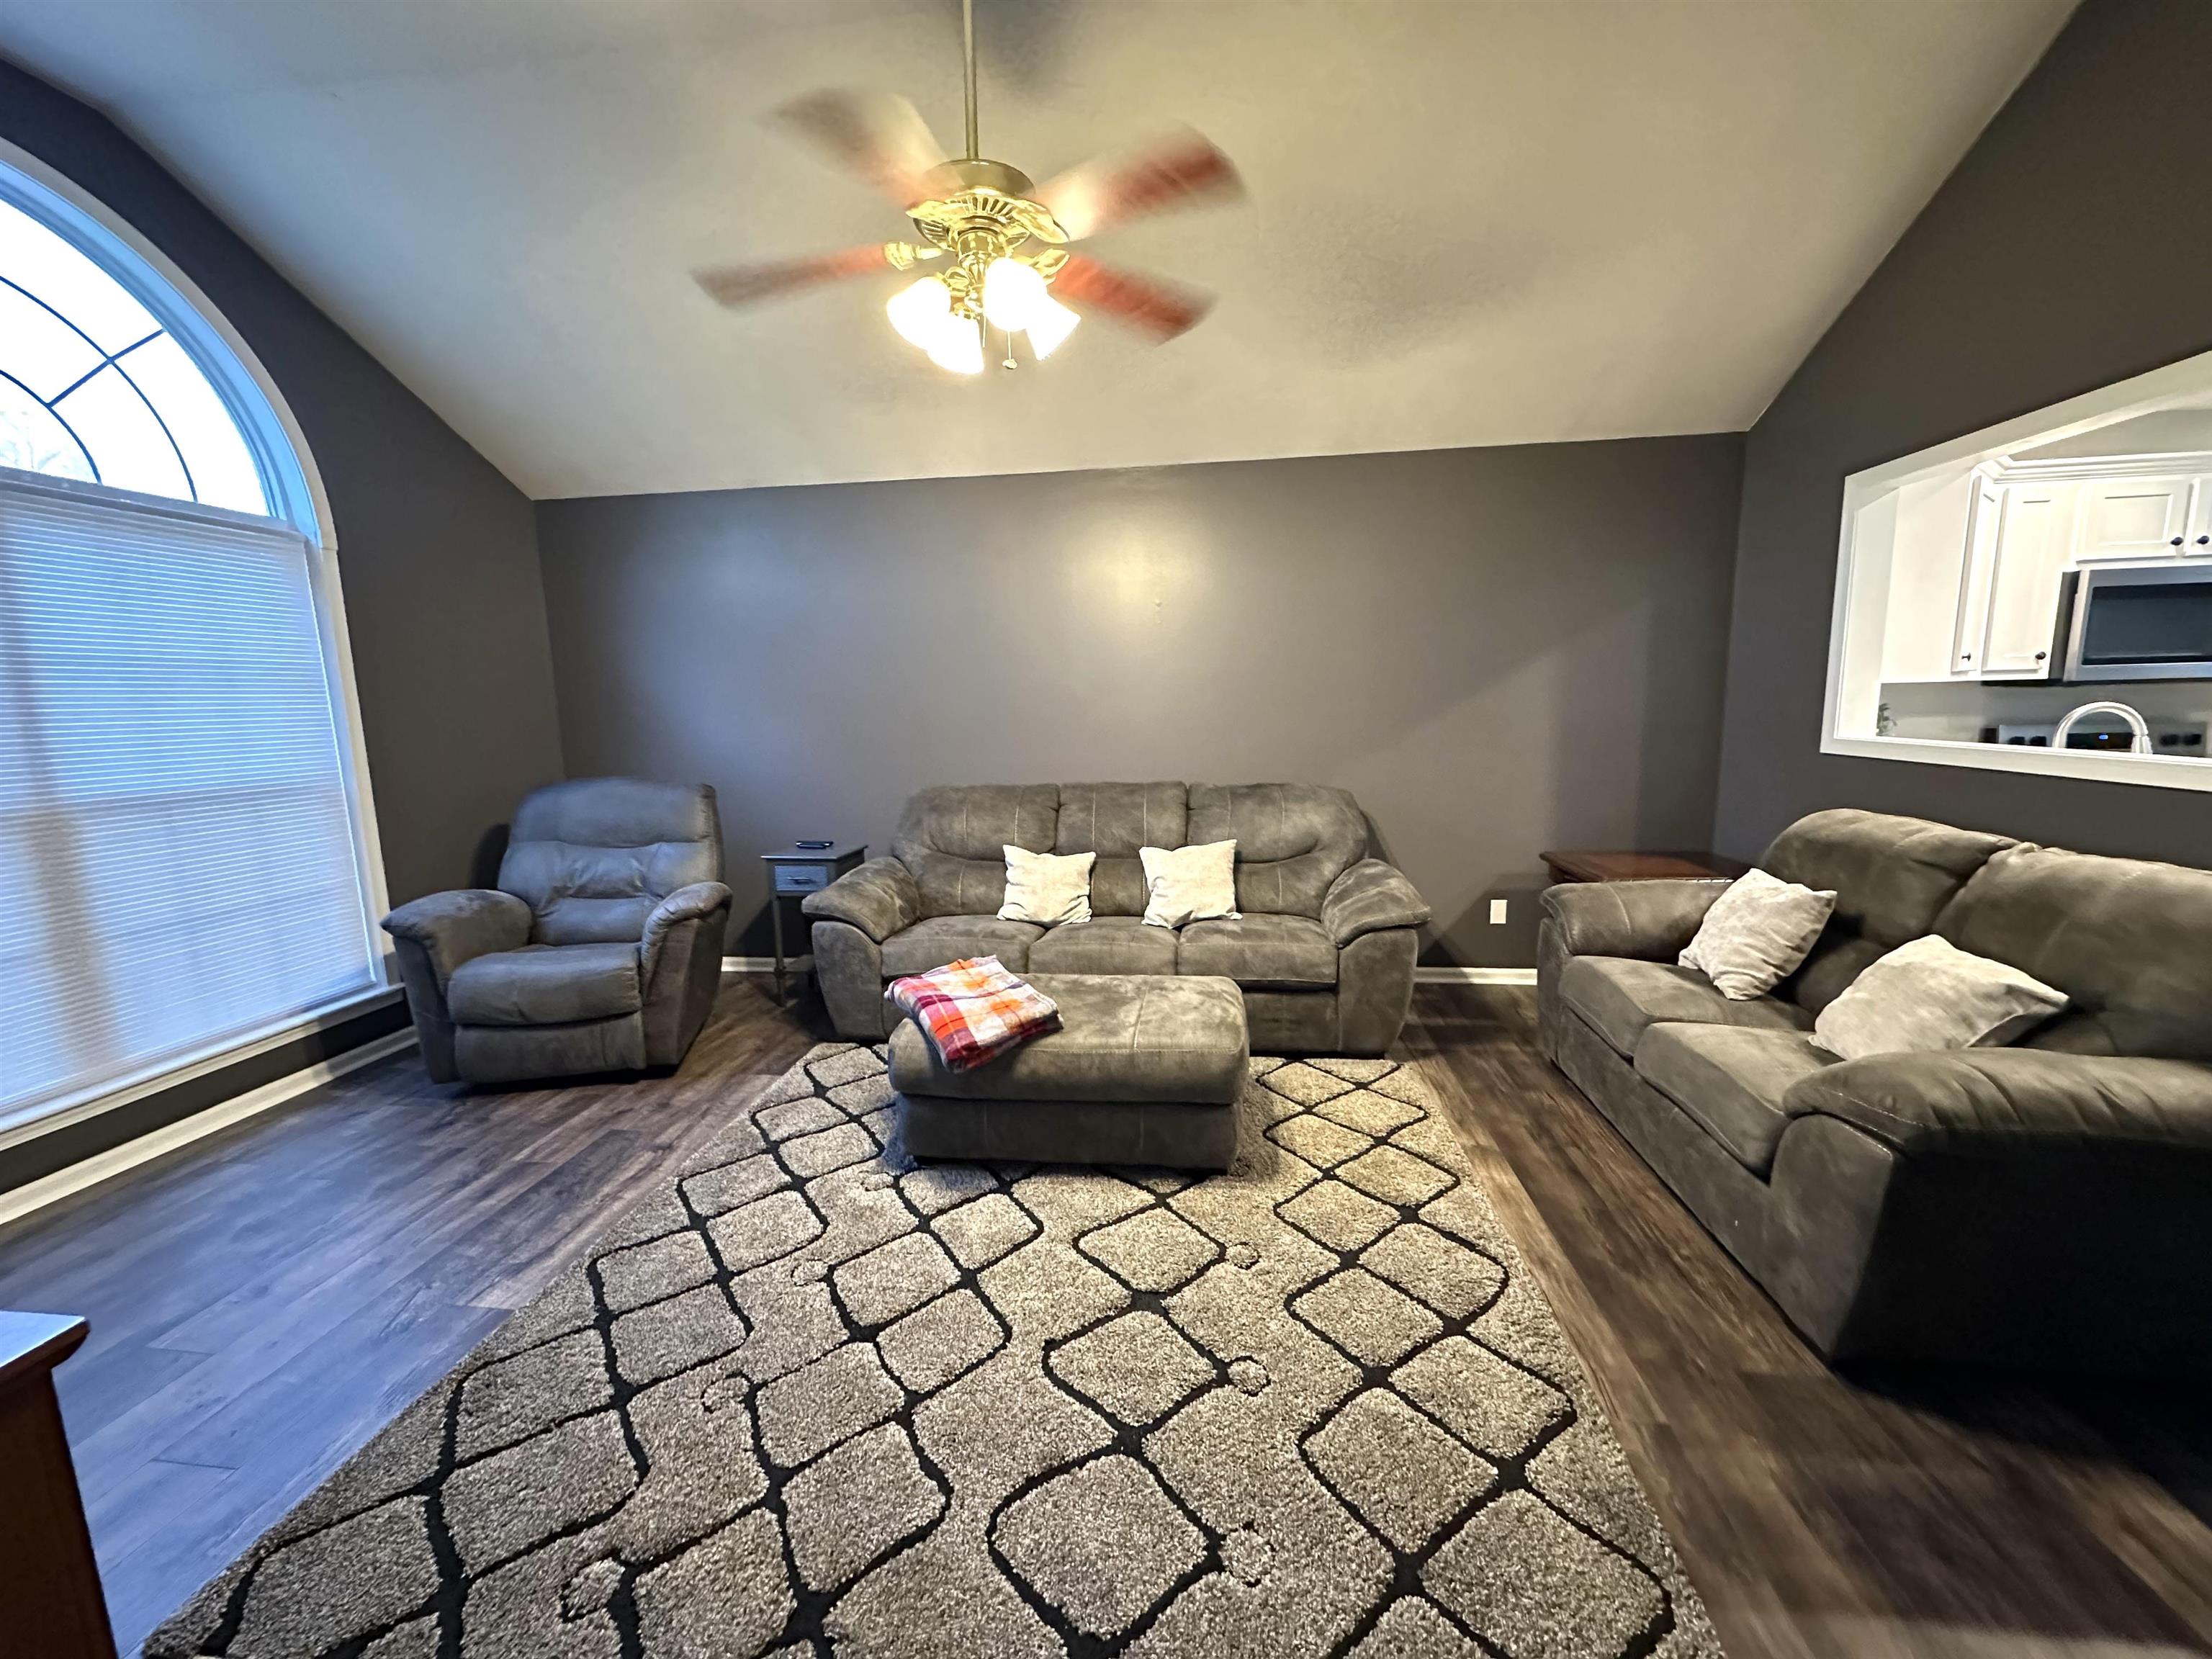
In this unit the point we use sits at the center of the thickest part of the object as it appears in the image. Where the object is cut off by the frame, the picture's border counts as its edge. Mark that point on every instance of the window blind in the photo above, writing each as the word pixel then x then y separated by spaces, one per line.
pixel 179 866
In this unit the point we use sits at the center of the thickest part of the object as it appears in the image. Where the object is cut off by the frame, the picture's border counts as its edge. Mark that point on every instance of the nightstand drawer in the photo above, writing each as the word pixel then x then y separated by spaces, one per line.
pixel 801 878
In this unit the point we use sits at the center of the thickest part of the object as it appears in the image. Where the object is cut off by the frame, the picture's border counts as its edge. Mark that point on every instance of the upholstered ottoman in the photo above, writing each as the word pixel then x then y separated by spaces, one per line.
pixel 1145 1069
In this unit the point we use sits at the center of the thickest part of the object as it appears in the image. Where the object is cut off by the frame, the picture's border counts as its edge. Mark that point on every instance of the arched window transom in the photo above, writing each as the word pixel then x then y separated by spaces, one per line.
pixel 93 387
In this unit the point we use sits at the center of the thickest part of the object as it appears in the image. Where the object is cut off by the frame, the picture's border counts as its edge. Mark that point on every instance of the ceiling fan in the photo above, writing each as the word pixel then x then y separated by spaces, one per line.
pixel 1003 238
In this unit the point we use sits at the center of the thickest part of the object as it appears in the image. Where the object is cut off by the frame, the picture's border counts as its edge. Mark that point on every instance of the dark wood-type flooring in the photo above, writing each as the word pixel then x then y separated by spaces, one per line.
pixel 262 1302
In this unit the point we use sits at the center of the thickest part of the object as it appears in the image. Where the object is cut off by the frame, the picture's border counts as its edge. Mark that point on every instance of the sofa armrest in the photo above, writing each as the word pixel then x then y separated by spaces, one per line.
pixel 1651 921
pixel 453 927
pixel 880 898
pixel 1369 897
pixel 686 903
pixel 1992 1101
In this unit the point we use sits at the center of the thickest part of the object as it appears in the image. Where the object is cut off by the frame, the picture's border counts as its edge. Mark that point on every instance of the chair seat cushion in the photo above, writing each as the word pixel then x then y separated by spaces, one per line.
pixel 1730 1081
pixel 1620 997
pixel 1277 953
pixel 545 985
pixel 1105 945
pixel 939 939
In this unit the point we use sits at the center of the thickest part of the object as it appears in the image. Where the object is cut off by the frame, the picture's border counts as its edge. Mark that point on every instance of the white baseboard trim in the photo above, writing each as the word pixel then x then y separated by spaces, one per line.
pixel 1475 975
pixel 104 1166
pixel 767 965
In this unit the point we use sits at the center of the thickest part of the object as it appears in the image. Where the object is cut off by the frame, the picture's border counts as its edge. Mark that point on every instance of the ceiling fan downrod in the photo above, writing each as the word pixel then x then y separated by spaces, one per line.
pixel 968 45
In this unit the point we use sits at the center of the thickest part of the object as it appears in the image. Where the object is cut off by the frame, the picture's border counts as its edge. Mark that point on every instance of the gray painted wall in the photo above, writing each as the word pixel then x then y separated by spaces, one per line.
pixel 2069 249
pixel 437 549
pixel 1498 651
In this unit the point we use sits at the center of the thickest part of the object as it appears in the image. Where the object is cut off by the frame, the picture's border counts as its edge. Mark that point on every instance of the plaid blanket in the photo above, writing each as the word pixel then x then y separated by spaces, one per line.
pixel 973 1010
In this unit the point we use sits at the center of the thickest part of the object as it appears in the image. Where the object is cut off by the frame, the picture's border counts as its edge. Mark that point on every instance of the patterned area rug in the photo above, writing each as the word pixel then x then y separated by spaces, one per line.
pixel 813 1399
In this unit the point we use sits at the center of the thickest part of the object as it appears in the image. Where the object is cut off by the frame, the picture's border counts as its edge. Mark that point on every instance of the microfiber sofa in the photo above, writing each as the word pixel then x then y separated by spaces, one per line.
pixel 2047 1204
pixel 1324 950
pixel 599 950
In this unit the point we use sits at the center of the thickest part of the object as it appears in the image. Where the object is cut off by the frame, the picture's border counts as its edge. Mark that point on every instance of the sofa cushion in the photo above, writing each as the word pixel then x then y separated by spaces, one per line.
pixel 1114 820
pixel 953 838
pixel 1730 1081
pixel 1756 933
pixel 1928 996
pixel 1046 888
pixel 1619 997
pixel 938 939
pixel 1292 840
pixel 1268 951
pixel 545 985
pixel 2014 1101
pixel 1183 885
pixel 2128 942
pixel 1891 876
pixel 1105 945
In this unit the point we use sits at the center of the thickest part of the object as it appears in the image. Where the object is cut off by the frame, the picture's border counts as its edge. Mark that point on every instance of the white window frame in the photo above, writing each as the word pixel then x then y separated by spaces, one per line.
pixel 297 498
pixel 2177 383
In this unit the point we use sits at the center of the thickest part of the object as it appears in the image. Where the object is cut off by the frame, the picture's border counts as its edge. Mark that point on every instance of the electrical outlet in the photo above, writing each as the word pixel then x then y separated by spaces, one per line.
pixel 1496 912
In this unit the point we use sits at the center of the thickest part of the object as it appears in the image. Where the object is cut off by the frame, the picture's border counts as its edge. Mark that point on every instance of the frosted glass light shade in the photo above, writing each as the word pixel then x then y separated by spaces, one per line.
pixel 959 348
pixel 1011 293
pixel 1050 323
pixel 920 311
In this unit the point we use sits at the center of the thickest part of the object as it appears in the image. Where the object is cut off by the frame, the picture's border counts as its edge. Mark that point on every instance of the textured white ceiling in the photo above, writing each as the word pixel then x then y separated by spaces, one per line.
pixel 1468 224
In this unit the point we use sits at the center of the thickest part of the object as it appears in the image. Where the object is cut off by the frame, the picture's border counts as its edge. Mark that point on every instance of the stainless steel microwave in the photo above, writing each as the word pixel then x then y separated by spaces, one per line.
pixel 2140 623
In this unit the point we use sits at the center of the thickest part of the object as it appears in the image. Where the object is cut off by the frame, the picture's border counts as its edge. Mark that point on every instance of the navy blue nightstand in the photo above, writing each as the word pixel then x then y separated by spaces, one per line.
pixel 797 871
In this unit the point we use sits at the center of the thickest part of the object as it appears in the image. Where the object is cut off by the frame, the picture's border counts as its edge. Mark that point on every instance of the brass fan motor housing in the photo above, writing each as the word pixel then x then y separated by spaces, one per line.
pixel 997 177
pixel 984 214
pixel 989 197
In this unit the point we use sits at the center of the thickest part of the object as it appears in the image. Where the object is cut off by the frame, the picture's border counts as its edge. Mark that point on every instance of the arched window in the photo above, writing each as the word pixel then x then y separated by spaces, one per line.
pixel 186 860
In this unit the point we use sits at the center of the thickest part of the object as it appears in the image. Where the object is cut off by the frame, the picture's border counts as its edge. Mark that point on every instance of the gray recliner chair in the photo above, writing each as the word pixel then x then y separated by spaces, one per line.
pixel 600 950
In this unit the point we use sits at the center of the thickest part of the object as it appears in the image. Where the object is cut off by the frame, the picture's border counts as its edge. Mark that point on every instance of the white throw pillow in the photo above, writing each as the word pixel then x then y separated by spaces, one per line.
pixel 1189 884
pixel 1929 994
pixel 1046 888
pixel 1756 934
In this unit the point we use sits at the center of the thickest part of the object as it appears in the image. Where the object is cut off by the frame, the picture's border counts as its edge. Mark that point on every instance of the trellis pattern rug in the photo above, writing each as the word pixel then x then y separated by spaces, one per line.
pixel 813 1399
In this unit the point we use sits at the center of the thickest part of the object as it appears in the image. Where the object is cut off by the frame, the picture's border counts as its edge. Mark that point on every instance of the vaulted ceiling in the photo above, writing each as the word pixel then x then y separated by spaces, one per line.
pixel 1468 223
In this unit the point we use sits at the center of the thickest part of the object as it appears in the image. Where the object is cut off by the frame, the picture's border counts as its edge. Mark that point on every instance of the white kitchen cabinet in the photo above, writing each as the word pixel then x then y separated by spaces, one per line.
pixel 2141 518
pixel 2034 537
pixel 1977 564
pixel 1924 527
pixel 2198 539
pixel 1971 616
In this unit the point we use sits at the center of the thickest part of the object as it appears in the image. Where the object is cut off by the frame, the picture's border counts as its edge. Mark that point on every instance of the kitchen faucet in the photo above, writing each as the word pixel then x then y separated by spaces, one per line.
pixel 2138 730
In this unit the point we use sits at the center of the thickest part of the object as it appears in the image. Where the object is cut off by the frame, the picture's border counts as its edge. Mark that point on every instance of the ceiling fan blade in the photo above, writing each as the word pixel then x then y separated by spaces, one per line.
pixel 1178 169
pixel 744 285
pixel 880 136
pixel 1158 308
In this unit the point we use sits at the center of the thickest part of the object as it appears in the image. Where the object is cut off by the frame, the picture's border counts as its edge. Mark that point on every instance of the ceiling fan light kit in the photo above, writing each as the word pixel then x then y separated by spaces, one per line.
pixel 982 218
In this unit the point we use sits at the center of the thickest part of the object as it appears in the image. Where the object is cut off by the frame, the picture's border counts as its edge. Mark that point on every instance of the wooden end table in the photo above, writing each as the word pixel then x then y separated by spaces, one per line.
pixel 797 871
pixel 1644 866
pixel 49 1581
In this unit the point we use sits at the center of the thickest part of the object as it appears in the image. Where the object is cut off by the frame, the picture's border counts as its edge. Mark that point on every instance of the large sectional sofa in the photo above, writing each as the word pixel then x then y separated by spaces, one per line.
pixel 2045 1204
pixel 1322 951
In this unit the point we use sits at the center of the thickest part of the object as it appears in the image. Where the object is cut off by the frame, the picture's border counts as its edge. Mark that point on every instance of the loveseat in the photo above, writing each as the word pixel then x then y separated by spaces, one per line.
pixel 1322 951
pixel 2045 1203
